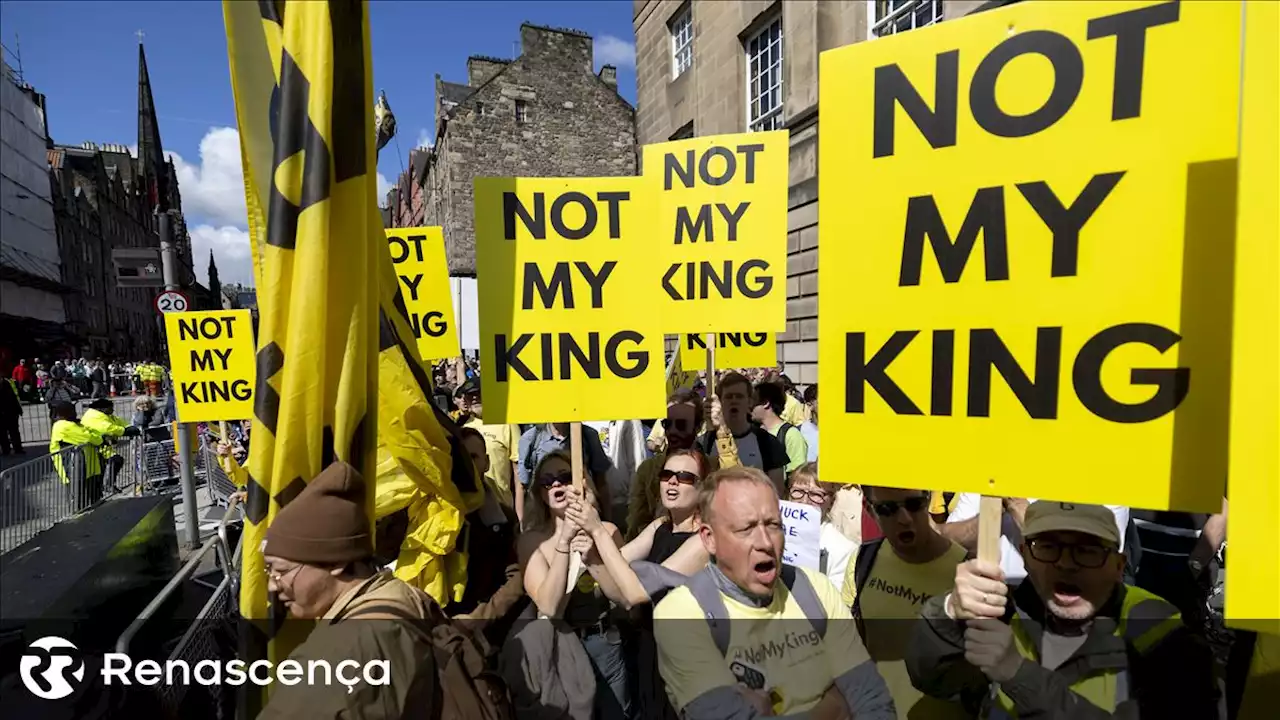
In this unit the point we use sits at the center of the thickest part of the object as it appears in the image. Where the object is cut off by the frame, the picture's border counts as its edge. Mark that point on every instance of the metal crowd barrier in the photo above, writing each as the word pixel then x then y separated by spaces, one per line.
pixel 35 495
pixel 34 423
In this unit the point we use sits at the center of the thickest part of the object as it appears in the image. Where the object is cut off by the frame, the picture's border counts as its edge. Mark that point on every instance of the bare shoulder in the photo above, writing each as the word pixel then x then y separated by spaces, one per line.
pixel 531 541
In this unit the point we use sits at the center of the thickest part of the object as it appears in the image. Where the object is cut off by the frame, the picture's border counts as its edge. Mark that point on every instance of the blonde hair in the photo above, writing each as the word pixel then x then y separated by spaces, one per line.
pixel 537 516
pixel 711 485
pixel 807 474
pixel 144 402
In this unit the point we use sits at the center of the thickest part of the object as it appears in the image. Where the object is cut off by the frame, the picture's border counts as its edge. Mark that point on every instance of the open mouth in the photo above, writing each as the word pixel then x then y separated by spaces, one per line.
pixel 907 537
pixel 672 493
pixel 1065 593
pixel 766 571
pixel 558 495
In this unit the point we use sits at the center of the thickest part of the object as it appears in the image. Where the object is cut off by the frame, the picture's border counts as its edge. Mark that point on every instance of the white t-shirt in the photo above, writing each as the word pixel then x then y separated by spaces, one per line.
pixel 966 506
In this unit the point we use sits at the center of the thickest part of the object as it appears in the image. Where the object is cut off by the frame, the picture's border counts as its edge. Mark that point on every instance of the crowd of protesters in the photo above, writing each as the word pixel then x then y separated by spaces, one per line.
pixel 659 589
pixel 38 380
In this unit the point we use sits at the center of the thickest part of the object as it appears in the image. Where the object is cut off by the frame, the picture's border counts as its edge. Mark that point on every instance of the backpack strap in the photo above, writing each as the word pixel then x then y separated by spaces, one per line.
pixel 800 587
pixel 861 571
pixel 711 603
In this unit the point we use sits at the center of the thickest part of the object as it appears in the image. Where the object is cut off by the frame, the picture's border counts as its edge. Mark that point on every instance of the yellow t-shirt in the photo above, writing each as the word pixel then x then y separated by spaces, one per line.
pixel 938 504
pixel 502 442
pixel 893 595
pixel 794 411
pixel 796 666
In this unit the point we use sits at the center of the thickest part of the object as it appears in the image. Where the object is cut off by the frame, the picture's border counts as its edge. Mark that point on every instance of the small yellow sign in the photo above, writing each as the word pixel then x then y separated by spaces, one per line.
pixel 211 362
pixel 720 217
pixel 1254 571
pixel 1026 229
pixel 677 377
pixel 563 273
pixel 733 351
pixel 418 257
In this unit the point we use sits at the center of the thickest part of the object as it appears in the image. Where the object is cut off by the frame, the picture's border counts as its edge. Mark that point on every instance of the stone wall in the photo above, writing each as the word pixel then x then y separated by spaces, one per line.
pixel 572 123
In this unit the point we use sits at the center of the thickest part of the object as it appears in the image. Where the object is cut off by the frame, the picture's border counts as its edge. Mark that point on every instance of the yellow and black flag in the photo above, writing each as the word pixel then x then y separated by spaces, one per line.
pixel 335 378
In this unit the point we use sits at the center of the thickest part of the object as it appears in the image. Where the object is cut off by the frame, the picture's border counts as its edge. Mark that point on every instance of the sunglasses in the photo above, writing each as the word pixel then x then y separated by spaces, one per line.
pixel 564 478
pixel 889 508
pixel 684 477
pixel 680 425
pixel 1085 555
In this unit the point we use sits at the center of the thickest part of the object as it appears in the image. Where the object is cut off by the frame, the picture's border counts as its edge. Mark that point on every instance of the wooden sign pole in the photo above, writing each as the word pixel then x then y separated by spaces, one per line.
pixel 579 484
pixel 726 446
pixel 711 365
pixel 990 514
pixel 222 430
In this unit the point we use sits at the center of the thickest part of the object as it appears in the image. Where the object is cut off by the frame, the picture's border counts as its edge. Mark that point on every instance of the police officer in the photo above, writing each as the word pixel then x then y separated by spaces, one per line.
pixel 99 418
pixel 67 432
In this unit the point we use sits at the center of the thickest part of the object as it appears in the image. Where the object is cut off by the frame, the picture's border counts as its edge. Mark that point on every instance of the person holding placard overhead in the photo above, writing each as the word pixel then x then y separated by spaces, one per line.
pixel 1073 642
pixel 540 440
pixel 757 447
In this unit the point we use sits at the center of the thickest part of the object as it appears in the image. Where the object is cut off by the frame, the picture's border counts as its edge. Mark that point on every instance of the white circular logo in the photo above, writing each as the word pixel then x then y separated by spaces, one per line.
pixel 172 301
pixel 47 663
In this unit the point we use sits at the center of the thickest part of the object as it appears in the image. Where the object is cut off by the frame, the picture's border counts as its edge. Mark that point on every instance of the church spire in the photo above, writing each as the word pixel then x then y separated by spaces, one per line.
pixel 151 166
pixel 215 286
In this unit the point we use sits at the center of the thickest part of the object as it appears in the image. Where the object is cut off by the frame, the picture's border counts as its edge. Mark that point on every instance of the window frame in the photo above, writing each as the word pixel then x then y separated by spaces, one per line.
pixel 522 111
pixel 907 9
pixel 774 118
pixel 682 17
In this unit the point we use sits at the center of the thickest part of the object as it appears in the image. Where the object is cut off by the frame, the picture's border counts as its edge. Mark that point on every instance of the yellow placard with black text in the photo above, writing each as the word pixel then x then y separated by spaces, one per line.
pixel 720 219
pixel 418 257
pixel 733 351
pixel 565 331
pixel 211 363
pixel 1254 477
pixel 1031 211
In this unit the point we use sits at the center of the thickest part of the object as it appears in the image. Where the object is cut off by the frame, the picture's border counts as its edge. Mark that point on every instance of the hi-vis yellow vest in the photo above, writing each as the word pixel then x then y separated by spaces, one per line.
pixel 66 433
pixel 1105 688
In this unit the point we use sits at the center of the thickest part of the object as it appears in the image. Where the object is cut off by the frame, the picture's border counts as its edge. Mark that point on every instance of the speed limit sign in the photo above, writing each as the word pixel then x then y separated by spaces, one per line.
pixel 172 301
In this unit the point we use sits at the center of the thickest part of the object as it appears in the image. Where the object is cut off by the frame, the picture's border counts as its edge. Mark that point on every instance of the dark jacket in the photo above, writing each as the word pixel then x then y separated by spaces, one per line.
pixel 1171 679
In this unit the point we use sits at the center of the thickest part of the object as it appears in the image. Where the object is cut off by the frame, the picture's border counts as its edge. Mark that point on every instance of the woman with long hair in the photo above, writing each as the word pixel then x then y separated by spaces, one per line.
pixel 554 515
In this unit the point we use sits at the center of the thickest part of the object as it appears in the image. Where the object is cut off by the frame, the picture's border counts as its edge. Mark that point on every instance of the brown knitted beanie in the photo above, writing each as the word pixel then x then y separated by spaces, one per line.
pixel 326 523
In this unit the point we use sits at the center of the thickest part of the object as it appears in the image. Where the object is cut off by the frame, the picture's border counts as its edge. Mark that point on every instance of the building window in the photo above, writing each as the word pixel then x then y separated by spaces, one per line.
pixel 681 42
pixel 522 112
pixel 764 77
pixel 895 16
pixel 479 109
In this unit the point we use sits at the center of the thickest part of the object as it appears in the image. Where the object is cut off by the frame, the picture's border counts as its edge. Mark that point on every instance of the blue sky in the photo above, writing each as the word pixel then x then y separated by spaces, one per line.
pixel 83 57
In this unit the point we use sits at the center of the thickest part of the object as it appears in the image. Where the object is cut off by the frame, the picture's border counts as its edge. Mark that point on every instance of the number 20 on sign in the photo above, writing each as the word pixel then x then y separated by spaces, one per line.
pixel 1031 211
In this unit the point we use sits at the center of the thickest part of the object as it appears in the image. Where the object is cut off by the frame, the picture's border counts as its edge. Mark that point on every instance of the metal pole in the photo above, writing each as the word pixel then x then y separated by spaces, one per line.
pixel 182 442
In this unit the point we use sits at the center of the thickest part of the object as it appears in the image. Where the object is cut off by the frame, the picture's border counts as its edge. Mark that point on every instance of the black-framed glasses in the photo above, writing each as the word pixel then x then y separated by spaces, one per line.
pixel 889 508
pixel 684 477
pixel 548 480
pixel 814 494
pixel 1086 555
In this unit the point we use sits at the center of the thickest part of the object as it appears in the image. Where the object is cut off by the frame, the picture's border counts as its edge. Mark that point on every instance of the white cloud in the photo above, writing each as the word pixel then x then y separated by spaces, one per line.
pixel 231 252
pixel 610 50
pixel 424 138
pixel 384 185
pixel 213 189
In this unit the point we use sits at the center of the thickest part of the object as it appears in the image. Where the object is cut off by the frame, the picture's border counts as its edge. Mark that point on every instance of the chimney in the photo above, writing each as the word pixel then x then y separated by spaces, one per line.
pixel 609 74
pixel 481 69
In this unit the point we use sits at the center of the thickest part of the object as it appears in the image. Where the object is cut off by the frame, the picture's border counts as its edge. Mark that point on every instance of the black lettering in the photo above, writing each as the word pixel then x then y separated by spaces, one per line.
pixel 211 328
pixel 1172 384
pixel 201 360
pixel 224 355
pixel 535 223
pixel 694 342
pixel 1067 222
pixel 727 339
pixel 893 89
pixel 730 166
pixel 415 324
pixel 1039 397
pixel 613 201
pixel 1130 30
pixel 398 244
pixel 755 339
pixel 596 280
pixel 941 382
pixel 434 325
pixel 412 283
pixel 217 391
pixel 588 221
pixel 240 390
pixel 986 213
pixel 723 283
pixel 189 392
pixel 1068 77
pixel 874 372
pixel 687 226
pixel 731 217
pixel 548 370
pixel 639 358
pixel 666 281
pixel 671 165
pixel 749 167
pixel 509 357
pixel 763 283
pixel 588 361
pixel 561 283
pixel 187 329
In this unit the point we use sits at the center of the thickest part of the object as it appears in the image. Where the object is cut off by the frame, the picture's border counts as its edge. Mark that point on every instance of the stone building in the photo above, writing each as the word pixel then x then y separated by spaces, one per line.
pixel 546 113
pixel 728 66
pixel 406 203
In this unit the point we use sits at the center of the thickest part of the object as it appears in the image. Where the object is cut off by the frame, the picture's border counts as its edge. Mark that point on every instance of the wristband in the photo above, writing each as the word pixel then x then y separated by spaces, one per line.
pixel 565 551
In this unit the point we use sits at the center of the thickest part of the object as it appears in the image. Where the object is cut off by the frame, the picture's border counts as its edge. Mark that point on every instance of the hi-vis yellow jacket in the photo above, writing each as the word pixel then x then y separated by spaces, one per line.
pixel 67 433
pixel 108 426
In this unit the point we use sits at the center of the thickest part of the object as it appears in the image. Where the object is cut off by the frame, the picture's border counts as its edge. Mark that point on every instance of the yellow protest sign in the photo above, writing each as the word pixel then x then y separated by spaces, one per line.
pixel 1031 217
pixel 720 218
pixel 677 376
pixel 1254 478
pixel 566 331
pixel 211 362
pixel 733 351
pixel 417 255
